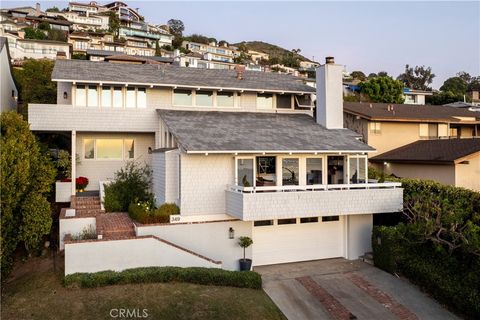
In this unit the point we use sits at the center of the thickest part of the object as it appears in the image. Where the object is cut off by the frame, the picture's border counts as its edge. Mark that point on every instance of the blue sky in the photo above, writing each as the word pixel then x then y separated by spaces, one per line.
pixel 367 36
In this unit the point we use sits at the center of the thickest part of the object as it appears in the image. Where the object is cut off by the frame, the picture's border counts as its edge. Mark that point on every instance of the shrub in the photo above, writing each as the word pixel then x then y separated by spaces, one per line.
pixel 132 184
pixel 87 233
pixel 144 212
pixel 111 203
pixel 197 275
pixel 385 246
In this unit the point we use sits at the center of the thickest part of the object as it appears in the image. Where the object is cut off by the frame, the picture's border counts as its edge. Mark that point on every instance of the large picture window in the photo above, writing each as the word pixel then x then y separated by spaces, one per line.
pixel 284 101
pixel 182 97
pixel 357 169
pixel 109 149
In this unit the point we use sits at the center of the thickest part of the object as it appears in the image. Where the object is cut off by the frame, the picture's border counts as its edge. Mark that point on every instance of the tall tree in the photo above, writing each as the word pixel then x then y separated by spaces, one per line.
pixel 27 177
pixel 465 76
pixel 382 74
pixel 176 29
pixel 455 85
pixel 372 75
pixel 358 75
pixel 418 78
pixel 383 89
pixel 474 84
pixel 35 84
pixel 113 23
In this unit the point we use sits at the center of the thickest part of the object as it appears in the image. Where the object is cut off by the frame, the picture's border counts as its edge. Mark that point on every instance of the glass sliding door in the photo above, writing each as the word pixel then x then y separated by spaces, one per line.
pixel 290 171
pixel 245 172
pixel 266 171
pixel 357 169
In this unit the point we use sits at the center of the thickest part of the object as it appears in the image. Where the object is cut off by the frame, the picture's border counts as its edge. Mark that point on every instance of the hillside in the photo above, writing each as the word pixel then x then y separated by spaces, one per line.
pixel 271 49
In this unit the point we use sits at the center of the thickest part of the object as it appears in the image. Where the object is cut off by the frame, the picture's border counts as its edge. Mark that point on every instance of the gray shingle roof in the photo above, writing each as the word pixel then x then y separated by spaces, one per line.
pixel 246 131
pixel 431 151
pixel 408 112
pixel 85 71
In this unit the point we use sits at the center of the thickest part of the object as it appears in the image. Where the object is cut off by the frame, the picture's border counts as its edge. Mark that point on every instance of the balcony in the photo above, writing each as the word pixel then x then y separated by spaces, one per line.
pixel 277 202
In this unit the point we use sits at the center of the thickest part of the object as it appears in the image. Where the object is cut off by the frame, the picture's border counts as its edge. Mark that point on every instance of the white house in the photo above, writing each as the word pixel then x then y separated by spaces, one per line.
pixel 8 92
pixel 240 153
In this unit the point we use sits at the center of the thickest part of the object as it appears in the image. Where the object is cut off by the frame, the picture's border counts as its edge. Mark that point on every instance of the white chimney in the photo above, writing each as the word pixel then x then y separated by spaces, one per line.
pixel 330 94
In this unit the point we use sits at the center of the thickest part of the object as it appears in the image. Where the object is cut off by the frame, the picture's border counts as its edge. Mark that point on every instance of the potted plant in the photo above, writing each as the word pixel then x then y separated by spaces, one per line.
pixel 245 264
pixel 81 183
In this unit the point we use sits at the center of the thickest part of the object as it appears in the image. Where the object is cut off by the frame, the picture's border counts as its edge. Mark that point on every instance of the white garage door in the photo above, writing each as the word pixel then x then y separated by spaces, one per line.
pixel 297 242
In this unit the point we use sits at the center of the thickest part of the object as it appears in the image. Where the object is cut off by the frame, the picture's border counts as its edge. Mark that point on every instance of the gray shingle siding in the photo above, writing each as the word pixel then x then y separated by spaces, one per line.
pixel 88 71
pixel 248 131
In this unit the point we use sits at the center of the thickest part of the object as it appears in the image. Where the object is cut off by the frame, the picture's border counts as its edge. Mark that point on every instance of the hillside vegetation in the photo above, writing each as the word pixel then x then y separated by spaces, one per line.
pixel 273 51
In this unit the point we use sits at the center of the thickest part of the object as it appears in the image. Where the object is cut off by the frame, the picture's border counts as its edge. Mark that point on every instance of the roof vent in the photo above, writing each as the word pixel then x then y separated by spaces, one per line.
pixel 329 60
pixel 239 70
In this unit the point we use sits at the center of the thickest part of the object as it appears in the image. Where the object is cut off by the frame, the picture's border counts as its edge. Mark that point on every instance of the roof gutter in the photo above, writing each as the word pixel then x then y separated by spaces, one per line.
pixel 168 85
pixel 206 152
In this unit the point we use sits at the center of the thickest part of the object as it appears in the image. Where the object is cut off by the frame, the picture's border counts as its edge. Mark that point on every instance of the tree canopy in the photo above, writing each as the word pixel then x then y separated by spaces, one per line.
pixel 383 89
pixel 455 85
pixel 418 78
pixel 176 28
pixel 27 177
pixel 113 23
pixel 34 82
pixel 358 75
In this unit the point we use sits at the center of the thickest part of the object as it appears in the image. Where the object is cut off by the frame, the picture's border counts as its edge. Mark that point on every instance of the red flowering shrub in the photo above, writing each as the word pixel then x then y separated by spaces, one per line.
pixel 81 182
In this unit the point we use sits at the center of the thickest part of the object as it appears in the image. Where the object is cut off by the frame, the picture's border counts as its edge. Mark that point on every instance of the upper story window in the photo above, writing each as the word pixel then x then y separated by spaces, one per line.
pixel 92 99
pixel 284 101
pixel 110 96
pixel 264 101
pixel 428 130
pixel 182 97
pixel 106 97
pixel 204 98
pixel 375 127
pixel 225 99
pixel 81 96
pixel 130 102
pixel 117 97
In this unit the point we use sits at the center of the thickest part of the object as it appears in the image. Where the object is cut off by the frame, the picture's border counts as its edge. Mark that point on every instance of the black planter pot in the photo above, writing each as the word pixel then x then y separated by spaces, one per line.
pixel 245 264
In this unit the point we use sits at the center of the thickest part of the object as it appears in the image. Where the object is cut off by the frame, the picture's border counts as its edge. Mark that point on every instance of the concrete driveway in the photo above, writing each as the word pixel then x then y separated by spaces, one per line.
pixel 342 289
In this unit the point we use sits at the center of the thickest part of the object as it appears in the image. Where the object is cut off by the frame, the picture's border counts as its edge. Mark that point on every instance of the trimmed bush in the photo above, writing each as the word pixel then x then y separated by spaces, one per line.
pixel 197 275
pixel 111 202
pixel 144 212
pixel 386 248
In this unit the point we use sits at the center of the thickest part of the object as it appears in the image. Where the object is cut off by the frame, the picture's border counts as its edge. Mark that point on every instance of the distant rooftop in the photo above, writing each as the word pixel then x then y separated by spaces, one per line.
pixel 107 53
pixel 441 151
pixel 213 131
pixel 172 76
pixel 407 112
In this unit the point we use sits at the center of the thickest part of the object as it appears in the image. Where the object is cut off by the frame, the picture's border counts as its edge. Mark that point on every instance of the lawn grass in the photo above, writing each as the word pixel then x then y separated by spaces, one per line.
pixel 39 294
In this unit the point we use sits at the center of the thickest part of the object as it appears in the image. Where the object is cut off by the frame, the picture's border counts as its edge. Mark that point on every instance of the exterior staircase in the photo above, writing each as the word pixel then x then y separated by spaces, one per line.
pixel 367 258
pixel 86 206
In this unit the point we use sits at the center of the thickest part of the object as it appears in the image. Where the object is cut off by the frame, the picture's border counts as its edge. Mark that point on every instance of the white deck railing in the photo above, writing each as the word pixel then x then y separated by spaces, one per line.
pixel 314 187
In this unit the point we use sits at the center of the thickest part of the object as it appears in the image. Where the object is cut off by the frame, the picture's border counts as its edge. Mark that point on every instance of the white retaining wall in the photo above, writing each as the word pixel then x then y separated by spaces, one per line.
pixel 117 255
pixel 210 239
pixel 74 226
pixel 359 235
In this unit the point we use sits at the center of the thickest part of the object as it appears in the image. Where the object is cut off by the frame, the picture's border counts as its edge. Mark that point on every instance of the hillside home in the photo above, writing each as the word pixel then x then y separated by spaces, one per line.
pixel 241 153
pixel 426 142
pixel 389 126
pixel 217 53
pixel 8 92
pixel 21 48
pixel 450 161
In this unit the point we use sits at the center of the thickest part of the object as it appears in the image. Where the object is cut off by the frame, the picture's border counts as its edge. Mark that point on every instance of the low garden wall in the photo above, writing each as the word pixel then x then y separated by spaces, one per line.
pixel 74 226
pixel 207 238
pixel 117 255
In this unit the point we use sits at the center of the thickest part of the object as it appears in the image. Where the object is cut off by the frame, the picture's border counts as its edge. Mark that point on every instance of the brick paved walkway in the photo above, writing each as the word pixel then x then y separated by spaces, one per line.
pixel 115 225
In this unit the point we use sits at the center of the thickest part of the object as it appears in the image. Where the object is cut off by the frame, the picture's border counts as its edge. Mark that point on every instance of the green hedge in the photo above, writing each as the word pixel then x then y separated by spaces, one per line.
pixel 453 279
pixel 145 213
pixel 204 276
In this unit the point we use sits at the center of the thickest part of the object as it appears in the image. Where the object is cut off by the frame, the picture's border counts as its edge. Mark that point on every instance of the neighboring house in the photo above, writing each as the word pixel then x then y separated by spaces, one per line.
pixel 217 53
pixel 475 97
pixel 101 55
pixel 258 56
pixel 84 21
pixel 463 105
pixel 21 48
pixel 241 153
pixel 450 161
pixel 389 126
pixel 8 92
pixel 413 96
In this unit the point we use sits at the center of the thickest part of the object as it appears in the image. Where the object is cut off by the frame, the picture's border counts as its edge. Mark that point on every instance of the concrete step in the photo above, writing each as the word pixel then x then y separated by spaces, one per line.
pixel 367 258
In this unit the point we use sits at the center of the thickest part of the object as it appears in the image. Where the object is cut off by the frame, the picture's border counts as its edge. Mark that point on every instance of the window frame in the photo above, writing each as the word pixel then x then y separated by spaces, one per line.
pixel 375 127
pixel 95 151
pixel 331 218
